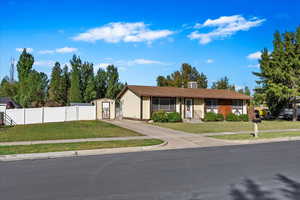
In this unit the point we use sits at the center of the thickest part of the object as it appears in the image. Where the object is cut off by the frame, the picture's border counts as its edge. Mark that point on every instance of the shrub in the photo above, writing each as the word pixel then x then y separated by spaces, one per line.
pixel 232 117
pixel 174 117
pixel 159 116
pixel 210 116
pixel 219 117
pixel 244 117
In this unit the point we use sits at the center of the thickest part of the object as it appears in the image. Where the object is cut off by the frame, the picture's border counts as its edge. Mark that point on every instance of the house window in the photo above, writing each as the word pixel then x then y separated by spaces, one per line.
pixel 211 105
pixel 237 106
pixel 164 103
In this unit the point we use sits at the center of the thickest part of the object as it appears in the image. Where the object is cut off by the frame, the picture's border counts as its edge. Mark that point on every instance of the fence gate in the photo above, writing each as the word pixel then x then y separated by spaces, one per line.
pixel 105 110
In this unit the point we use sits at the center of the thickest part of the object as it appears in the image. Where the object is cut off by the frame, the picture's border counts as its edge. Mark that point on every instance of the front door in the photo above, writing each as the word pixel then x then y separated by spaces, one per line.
pixel 106 110
pixel 188 108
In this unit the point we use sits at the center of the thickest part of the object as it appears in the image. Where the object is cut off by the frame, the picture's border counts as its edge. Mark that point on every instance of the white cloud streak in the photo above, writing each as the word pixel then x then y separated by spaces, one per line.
pixel 59 50
pixel 44 63
pixel 223 27
pixel 208 61
pixel 29 50
pixel 254 56
pixel 123 32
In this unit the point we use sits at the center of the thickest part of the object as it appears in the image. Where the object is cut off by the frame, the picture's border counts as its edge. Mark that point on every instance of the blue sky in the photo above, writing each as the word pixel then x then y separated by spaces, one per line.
pixel 145 39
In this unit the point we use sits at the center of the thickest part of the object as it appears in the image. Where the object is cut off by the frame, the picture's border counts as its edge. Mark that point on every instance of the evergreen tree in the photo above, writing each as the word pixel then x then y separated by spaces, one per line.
pixel 223 84
pixel 65 85
pixel 90 90
pixel 182 77
pixel 101 83
pixel 75 90
pixel 37 89
pixel 55 93
pixel 113 85
pixel 24 68
pixel 279 76
pixel 87 75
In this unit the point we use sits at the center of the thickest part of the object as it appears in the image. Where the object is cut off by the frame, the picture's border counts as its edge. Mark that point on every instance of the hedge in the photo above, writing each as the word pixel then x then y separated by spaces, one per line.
pixel 162 116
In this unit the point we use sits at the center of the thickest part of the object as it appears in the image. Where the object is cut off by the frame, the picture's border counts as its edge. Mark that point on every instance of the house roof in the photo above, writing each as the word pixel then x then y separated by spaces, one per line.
pixel 6 100
pixel 183 92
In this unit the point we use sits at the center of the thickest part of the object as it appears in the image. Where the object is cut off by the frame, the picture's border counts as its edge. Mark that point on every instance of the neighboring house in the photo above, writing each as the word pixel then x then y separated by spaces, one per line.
pixel 9 102
pixel 139 102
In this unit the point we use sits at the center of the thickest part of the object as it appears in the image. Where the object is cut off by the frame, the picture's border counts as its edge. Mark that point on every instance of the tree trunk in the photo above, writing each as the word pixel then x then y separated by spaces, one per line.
pixel 255 127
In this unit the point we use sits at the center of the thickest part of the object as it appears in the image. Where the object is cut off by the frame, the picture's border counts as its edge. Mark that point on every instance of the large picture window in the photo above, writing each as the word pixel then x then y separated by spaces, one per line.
pixel 167 104
pixel 211 105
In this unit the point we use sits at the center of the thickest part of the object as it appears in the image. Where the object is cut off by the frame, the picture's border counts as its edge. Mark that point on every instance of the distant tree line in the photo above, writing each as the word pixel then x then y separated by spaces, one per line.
pixel 79 84
pixel 187 73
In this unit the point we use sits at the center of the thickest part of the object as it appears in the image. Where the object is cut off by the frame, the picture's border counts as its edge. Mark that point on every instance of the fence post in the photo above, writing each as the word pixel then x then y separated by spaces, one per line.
pixel 43 113
pixel 24 116
pixel 77 113
pixel 66 113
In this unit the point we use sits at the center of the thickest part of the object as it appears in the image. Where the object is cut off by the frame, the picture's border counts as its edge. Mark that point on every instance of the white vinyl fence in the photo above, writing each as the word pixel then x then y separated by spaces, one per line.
pixel 51 114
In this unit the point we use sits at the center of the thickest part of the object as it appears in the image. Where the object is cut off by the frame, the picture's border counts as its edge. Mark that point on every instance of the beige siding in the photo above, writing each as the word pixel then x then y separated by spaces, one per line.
pixel 146 108
pixel 98 104
pixel 131 105
pixel 198 108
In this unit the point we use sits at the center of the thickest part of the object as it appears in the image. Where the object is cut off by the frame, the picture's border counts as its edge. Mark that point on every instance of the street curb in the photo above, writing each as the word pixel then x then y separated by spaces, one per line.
pixel 260 141
pixel 61 154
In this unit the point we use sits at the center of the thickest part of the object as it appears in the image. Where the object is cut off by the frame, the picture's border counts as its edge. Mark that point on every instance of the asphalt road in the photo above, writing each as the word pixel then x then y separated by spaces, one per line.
pixel 195 174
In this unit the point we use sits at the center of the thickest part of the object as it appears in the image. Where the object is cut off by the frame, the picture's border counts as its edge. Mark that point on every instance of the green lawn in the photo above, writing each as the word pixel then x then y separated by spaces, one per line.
pixel 63 130
pixel 41 148
pixel 260 136
pixel 213 127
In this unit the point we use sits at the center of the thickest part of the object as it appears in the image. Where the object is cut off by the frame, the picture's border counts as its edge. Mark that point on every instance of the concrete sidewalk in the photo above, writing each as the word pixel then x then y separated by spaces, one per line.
pixel 73 140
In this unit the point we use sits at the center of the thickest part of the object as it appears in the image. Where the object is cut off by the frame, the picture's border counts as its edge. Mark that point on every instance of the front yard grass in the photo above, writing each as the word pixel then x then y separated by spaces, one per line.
pixel 260 136
pixel 213 127
pixel 42 148
pixel 63 130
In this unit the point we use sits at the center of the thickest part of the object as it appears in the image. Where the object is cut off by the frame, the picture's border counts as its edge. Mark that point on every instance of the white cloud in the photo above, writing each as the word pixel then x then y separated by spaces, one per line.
pixel 142 61
pixel 209 61
pixel 123 32
pixel 66 50
pixel 59 50
pixel 254 56
pixel 223 27
pixel 44 63
pixel 29 50
pixel 253 66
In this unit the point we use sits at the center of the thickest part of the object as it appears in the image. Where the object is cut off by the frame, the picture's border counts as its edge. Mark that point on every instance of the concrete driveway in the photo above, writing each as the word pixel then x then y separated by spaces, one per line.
pixel 175 139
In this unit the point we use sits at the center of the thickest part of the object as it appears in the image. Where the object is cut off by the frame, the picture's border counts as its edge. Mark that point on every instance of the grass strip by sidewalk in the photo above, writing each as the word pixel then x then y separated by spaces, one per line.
pixel 63 130
pixel 260 136
pixel 42 148
pixel 214 127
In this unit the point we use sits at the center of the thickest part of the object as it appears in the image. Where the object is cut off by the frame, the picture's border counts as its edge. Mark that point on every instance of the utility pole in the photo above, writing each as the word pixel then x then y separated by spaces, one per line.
pixel 12 70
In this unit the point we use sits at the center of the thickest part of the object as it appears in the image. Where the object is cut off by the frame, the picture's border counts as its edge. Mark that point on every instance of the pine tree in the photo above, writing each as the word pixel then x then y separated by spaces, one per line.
pixel 75 90
pixel 90 90
pixel 181 78
pixel 279 76
pixel 87 75
pixel 223 84
pixel 55 94
pixel 113 85
pixel 101 83
pixel 24 68
pixel 65 85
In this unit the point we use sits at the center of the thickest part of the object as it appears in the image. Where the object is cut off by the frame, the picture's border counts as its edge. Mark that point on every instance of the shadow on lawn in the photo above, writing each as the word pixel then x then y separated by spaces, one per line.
pixel 253 191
